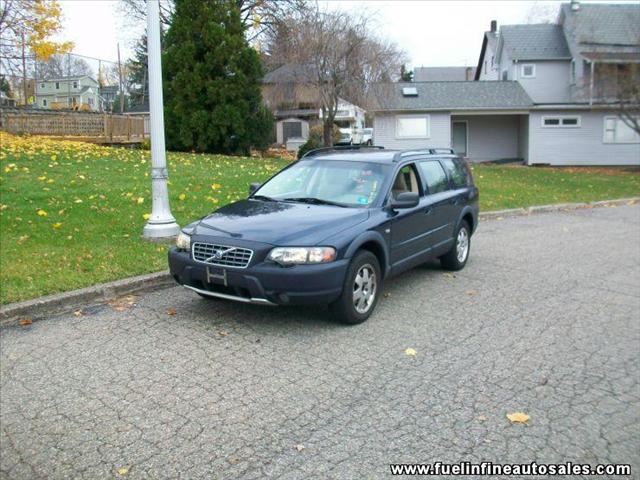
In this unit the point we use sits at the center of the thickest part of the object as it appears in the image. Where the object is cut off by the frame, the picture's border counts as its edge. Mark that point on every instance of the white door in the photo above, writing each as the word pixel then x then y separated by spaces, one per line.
pixel 459 138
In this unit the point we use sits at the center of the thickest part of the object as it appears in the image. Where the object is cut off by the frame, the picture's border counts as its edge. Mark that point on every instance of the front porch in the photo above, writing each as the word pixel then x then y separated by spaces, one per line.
pixel 486 137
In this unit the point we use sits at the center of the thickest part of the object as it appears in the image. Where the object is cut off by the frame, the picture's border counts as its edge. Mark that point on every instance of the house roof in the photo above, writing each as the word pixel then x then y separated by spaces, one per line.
pixel 68 79
pixel 603 24
pixel 443 74
pixel 534 42
pixel 452 96
pixel 287 73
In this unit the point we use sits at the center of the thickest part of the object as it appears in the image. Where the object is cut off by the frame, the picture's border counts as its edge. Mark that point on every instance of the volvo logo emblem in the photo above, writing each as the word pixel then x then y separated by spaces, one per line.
pixel 218 254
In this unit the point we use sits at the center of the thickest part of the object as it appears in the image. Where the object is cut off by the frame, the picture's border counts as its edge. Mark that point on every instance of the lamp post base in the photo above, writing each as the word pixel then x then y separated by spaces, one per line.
pixel 160 232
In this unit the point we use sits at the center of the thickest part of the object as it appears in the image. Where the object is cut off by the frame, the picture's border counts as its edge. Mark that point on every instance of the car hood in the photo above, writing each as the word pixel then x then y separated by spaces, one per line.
pixel 279 223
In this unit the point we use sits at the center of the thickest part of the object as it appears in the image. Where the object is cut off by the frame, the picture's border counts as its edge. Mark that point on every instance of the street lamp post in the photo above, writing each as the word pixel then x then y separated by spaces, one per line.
pixel 161 224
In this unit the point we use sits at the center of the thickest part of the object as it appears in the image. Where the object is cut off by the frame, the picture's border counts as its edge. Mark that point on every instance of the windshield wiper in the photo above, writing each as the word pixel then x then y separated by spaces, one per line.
pixel 264 197
pixel 315 201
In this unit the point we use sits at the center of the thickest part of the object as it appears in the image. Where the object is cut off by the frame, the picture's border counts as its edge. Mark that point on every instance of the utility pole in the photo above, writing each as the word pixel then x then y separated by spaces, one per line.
pixel 120 81
pixel 162 225
pixel 69 99
pixel 24 70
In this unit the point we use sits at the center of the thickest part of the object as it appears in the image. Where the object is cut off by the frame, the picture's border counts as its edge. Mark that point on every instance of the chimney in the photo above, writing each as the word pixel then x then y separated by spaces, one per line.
pixel 494 26
pixel 575 5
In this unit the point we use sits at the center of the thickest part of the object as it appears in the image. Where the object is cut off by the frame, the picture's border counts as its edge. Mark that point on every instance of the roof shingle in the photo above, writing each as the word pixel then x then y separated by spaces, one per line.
pixel 535 42
pixel 452 96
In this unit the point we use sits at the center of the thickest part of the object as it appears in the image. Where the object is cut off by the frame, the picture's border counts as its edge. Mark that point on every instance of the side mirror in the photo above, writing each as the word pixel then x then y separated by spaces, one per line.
pixel 254 187
pixel 405 200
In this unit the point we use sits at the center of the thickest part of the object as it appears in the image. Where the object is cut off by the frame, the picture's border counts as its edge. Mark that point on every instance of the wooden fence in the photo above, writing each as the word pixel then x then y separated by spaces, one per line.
pixel 103 128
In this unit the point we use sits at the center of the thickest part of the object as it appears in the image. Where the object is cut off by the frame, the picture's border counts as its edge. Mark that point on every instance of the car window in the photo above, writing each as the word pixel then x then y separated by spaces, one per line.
pixel 434 178
pixel 406 181
pixel 457 172
pixel 351 183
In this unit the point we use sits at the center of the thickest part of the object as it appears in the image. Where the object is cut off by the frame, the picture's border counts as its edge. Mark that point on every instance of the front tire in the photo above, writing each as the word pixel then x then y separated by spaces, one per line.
pixel 456 258
pixel 362 288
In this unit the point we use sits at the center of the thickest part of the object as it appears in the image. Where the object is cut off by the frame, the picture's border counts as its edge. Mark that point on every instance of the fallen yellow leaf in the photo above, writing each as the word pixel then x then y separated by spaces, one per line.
pixel 410 352
pixel 56 225
pixel 518 417
pixel 122 471
pixel 140 200
pixel 182 196
pixel 171 311
pixel 146 216
pixel 299 447
pixel 42 213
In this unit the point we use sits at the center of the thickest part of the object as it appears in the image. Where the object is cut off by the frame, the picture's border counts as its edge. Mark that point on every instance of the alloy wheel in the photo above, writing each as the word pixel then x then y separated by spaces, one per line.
pixel 462 245
pixel 364 288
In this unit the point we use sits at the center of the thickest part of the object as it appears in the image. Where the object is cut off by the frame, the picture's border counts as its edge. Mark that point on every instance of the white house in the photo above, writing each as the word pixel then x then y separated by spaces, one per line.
pixel 78 93
pixel 536 98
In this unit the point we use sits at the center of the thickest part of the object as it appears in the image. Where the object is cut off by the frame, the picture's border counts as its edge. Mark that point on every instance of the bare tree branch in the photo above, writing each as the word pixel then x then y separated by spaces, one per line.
pixel 336 55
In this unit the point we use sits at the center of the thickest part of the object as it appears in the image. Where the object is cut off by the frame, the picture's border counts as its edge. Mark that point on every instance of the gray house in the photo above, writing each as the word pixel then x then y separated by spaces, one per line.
pixel 546 96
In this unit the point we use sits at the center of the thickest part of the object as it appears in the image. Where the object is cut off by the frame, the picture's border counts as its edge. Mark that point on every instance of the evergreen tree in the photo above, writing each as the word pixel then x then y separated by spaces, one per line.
pixel 212 81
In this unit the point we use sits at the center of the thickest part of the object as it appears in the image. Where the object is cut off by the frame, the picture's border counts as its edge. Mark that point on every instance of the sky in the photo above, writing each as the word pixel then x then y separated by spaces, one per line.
pixel 433 33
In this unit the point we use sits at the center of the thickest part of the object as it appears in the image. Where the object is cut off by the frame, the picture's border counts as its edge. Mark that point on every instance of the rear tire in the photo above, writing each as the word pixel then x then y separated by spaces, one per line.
pixel 361 291
pixel 456 258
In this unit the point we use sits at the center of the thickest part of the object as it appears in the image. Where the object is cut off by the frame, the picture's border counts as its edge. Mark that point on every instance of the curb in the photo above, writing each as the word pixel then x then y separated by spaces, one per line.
pixel 558 207
pixel 69 301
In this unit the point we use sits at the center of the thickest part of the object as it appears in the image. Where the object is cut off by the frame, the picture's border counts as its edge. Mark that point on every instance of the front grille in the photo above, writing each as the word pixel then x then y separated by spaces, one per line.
pixel 221 255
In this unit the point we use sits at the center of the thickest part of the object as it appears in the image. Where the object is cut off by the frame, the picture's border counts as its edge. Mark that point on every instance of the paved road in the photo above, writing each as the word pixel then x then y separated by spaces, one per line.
pixel 544 320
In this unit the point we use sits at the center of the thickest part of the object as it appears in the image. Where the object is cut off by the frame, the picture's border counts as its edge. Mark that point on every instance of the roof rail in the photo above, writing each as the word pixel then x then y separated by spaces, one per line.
pixel 430 151
pixel 338 148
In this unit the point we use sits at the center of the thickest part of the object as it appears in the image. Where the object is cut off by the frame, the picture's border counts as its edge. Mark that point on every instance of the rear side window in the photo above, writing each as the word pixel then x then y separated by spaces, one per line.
pixel 457 172
pixel 434 178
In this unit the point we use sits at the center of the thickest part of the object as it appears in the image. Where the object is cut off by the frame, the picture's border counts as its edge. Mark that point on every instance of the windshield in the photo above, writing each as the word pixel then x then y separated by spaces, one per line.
pixel 346 183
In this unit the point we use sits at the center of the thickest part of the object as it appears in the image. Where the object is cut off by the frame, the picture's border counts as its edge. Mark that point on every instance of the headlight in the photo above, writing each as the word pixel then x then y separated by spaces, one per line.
pixel 183 242
pixel 302 255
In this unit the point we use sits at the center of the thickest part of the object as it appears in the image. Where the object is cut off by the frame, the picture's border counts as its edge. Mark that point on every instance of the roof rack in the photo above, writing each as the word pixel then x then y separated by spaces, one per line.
pixel 416 151
pixel 338 148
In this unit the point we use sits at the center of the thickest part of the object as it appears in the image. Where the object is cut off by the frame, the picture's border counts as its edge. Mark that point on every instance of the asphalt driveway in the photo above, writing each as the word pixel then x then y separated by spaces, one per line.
pixel 545 320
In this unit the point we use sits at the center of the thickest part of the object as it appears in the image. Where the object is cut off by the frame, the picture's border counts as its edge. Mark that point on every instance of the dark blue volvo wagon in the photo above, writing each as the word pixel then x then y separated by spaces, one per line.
pixel 329 228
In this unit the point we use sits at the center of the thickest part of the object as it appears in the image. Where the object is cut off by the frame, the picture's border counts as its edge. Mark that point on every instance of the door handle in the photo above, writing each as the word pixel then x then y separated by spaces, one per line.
pixel 455 201
pixel 428 210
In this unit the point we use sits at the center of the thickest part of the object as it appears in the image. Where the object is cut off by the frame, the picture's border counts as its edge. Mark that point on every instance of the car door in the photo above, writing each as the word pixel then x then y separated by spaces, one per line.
pixel 459 180
pixel 437 202
pixel 407 225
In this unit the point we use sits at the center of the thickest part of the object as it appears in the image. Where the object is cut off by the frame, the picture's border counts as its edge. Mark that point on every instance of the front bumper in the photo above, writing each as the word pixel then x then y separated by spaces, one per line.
pixel 263 283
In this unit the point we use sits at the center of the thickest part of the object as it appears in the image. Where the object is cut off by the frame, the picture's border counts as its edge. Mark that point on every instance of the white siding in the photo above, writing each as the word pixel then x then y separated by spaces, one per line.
pixel 384 132
pixel 491 73
pixel 577 146
pixel 491 137
pixel 551 82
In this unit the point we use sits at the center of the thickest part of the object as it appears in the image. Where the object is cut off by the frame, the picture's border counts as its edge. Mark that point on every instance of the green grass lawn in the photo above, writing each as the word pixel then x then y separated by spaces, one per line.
pixel 71 214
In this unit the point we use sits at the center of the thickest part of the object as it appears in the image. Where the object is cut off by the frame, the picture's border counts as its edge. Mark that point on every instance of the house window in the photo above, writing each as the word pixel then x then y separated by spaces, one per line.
pixel 561 122
pixel 617 131
pixel 57 85
pixel 528 70
pixel 505 75
pixel 42 85
pixel 90 100
pixel 573 71
pixel 412 126
pixel 75 84
pixel 44 102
